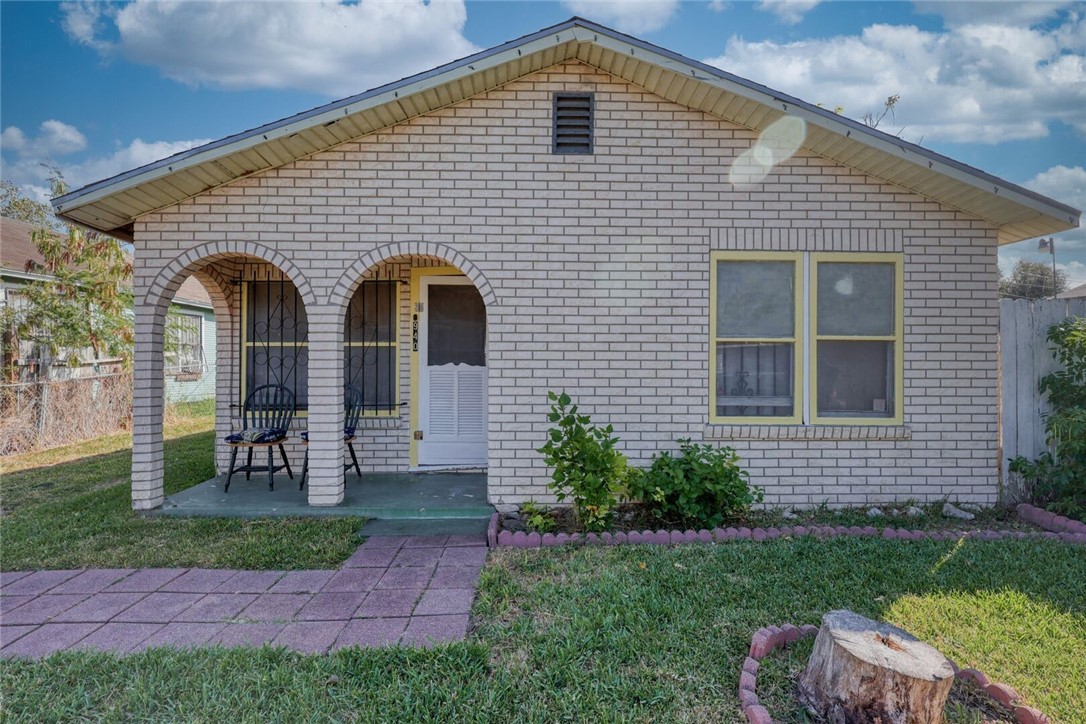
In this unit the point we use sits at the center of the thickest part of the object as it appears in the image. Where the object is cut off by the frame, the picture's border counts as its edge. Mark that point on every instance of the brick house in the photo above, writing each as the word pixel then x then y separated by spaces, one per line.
pixel 687 253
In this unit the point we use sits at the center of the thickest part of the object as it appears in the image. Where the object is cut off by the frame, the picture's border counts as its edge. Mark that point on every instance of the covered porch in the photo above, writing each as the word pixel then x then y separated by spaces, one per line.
pixel 440 499
pixel 401 329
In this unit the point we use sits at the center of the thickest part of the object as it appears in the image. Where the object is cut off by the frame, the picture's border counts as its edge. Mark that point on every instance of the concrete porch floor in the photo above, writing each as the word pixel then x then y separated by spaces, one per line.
pixel 385 496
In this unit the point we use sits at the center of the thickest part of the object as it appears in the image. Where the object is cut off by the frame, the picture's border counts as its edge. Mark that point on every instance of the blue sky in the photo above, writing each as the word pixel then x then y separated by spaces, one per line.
pixel 96 88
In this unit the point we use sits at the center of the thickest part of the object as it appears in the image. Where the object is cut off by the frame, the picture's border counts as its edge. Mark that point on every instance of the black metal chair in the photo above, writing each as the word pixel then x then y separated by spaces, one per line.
pixel 266 417
pixel 352 409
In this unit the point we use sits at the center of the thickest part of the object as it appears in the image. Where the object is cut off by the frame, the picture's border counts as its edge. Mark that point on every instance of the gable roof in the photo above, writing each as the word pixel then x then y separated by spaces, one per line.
pixel 18 252
pixel 112 205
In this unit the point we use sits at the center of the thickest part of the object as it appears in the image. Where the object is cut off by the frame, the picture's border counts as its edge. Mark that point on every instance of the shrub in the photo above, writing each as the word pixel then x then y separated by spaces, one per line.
pixel 1058 477
pixel 702 482
pixel 588 470
pixel 537 518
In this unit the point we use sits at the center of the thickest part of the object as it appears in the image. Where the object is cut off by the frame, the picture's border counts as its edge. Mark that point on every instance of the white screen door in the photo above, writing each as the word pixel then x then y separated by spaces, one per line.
pixel 452 373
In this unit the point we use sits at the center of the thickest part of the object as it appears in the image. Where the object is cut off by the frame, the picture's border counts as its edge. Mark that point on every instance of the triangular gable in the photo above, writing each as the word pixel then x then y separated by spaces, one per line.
pixel 113 204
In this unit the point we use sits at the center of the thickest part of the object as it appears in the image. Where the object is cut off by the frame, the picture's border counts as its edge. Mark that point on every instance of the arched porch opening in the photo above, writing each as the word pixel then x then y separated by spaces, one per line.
pixel 422 365
pixel 228 272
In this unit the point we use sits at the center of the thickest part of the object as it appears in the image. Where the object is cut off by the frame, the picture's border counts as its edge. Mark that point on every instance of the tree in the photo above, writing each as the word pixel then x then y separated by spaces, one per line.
pixel 1032 280
pixel 14 205
pixel 84 299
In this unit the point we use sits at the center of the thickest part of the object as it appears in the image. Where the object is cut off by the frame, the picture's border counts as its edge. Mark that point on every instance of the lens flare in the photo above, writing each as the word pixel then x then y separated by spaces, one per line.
pixel 775 145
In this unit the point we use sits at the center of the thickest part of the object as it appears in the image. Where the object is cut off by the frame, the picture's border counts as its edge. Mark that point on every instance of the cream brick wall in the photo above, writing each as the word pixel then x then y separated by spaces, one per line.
pixel 598 268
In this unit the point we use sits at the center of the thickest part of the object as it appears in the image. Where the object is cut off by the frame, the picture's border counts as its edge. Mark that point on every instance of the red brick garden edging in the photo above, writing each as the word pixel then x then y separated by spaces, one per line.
pixel 766 640
pixel 1050 521
pixel 520 539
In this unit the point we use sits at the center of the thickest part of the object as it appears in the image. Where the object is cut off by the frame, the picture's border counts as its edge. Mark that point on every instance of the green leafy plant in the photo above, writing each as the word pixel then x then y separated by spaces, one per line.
pixel 1058 477
pixel 537 518
pixel 702 482
pixel 82 298
pixel 588 469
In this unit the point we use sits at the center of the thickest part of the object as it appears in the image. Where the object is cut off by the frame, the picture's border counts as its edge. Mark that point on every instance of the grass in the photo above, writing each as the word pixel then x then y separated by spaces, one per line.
pixel 69 507
pixel 618 634
pixel 613 634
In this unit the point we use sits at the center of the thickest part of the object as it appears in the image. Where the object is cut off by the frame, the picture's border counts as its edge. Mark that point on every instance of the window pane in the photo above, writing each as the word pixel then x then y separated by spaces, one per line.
pixel 856 379
pixel 372 371
pixel 457 330
pixel 754 380
pixel 856 299
pixel 371 315
pixel 286 366
pixel 755 299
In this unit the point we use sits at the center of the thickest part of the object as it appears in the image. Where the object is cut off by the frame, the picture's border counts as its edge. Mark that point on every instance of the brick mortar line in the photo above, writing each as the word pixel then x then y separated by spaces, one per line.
pixel 767 640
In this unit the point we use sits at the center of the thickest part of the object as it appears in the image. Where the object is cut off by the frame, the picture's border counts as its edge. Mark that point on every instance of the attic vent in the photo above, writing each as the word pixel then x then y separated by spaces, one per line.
pixel 573 122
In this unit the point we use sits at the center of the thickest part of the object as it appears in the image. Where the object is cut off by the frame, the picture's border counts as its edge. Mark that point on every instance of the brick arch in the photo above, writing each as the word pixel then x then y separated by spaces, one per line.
pixel 165 284
pixel 345 286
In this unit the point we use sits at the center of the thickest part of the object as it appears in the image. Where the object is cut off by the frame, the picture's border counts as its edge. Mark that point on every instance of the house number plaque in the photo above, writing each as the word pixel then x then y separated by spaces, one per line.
pixel 414 333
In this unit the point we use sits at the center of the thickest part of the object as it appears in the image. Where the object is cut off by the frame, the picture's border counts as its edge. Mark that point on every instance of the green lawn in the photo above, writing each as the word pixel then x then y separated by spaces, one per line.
pixel 70 508
pixel 612 634
pixel 627 633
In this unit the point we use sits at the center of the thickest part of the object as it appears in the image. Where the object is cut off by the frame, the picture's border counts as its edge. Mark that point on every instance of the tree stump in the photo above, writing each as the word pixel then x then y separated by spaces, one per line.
pixel 863 671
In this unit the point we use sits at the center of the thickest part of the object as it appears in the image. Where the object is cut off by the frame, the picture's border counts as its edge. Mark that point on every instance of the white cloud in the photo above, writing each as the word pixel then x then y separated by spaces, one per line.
pixel 787 11
pixel 322 46
pixel 981 83
pixel 54 138
pixel 962 12
pixel 1068 185
pixel 629 16
pixel 31 173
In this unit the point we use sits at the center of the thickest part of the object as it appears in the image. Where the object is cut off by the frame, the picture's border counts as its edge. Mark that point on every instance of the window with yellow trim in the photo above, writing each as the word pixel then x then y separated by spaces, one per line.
pixel 856 339
pixel 756 337
pixel 806 338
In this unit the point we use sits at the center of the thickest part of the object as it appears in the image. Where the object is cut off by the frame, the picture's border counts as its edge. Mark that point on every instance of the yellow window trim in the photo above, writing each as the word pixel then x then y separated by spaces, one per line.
pixel 806 381
pixel 897 338
pixel 796 340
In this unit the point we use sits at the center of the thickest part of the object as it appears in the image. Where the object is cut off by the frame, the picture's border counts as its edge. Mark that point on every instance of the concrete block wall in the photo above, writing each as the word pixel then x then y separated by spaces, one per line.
pixel 596 270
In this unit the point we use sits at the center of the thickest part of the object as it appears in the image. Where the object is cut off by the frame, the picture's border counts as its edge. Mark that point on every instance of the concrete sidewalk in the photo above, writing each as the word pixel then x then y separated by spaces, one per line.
pixel 412 591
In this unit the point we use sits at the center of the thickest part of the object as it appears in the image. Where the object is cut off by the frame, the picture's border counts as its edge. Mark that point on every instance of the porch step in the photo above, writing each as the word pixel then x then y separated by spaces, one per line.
pixel 425 526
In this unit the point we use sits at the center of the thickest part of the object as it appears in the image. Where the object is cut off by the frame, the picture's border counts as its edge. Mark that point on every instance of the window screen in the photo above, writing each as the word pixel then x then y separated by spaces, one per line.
pixel 755 338
pixel 855 339
pixel 457 326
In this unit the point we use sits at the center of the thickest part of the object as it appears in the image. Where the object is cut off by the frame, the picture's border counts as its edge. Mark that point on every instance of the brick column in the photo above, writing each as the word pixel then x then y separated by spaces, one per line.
pixel 147 395
pixel 325 405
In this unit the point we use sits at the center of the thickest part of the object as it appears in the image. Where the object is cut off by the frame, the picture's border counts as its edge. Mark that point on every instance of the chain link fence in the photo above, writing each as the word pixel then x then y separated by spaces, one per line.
pixel 42 414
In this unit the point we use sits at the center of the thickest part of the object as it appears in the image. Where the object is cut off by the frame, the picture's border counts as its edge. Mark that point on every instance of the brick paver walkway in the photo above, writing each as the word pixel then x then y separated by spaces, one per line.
pixel 414 591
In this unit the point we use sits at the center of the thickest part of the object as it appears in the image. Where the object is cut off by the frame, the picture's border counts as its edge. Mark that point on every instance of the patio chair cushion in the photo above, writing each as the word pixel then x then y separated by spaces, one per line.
pixel 348 433
pixel 257 435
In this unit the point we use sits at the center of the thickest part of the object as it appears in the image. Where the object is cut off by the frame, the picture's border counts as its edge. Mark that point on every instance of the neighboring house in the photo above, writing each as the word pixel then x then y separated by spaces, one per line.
pixel 687 253
pixel 193 322
pixel 1073 293
pixel 24 360
pixel 189 358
